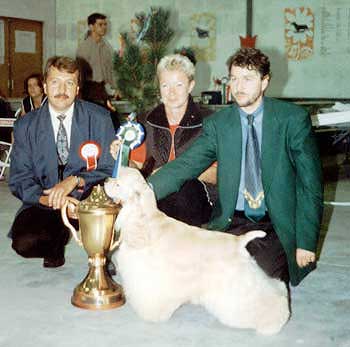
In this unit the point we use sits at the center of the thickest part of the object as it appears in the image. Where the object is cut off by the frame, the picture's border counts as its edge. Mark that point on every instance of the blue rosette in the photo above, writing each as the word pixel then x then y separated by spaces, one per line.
pixel 131 134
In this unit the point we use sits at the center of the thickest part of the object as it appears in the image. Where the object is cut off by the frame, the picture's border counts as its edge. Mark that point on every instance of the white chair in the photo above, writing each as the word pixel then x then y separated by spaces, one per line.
pixel 5 148
pixel 18 112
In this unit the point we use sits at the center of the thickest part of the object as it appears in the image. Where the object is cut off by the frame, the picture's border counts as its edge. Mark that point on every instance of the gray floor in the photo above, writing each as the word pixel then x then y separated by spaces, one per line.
pixel 36 311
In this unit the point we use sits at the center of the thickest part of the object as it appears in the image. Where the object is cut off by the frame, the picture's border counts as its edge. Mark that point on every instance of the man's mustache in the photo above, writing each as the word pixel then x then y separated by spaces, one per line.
pixel 62 96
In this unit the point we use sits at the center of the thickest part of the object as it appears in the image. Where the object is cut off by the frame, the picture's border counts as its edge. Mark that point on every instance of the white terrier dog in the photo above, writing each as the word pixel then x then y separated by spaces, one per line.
pixel 165 263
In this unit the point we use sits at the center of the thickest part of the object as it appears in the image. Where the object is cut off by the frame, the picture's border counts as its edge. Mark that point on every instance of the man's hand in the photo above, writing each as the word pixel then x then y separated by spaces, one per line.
pixel 58 193
pixel 304 257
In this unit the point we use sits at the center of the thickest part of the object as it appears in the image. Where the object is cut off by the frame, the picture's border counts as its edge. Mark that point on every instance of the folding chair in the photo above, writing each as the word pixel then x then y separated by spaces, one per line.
pixel 18 112
pixel 6 148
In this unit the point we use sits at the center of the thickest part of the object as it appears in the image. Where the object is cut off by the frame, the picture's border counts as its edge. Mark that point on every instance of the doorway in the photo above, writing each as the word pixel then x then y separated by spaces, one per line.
pixel 21 53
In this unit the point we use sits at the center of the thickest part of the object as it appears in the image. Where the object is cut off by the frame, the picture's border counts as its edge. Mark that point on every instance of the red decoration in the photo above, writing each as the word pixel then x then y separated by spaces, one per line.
pixel 90 151
pixel 248 41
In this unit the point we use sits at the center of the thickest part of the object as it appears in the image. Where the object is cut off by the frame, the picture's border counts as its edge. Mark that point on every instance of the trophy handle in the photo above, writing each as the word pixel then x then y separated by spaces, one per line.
pixel 116 243
pixel 66 221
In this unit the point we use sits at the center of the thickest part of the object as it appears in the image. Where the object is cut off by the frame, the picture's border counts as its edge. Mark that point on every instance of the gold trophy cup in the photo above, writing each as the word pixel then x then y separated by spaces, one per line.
pixel 96 216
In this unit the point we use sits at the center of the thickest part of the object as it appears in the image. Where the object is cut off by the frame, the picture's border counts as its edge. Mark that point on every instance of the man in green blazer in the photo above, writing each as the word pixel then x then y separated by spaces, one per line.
pixel 290 171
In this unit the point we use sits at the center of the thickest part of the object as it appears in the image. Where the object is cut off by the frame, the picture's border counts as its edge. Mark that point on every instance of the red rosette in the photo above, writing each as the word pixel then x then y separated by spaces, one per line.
pixel 90 151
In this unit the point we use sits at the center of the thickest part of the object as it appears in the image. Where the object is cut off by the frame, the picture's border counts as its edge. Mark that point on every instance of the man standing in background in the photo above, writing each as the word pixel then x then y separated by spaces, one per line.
pixel 95 55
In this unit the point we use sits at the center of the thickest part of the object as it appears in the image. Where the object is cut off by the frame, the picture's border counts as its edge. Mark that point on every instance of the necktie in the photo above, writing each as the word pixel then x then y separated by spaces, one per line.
pixel 254 205
pixel 62 142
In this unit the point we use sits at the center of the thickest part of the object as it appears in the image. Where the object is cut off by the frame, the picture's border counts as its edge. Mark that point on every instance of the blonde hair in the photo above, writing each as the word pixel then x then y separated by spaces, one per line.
pixel 176 62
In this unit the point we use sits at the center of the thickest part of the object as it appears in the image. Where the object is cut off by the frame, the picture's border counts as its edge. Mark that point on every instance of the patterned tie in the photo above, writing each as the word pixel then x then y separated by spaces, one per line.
pixel 62 142
pixel 254 204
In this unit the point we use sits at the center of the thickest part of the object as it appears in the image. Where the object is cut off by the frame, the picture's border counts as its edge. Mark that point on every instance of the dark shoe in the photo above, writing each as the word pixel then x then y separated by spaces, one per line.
pixel 53 262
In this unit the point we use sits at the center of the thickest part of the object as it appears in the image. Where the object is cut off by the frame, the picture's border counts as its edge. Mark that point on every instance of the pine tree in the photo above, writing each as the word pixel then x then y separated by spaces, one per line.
pixel 136 64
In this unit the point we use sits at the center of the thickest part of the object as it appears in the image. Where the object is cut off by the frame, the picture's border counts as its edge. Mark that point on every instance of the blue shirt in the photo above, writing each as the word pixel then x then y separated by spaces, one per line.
pixel 258 118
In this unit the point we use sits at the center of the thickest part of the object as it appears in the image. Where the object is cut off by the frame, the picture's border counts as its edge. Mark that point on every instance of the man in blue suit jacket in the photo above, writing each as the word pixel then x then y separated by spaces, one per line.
pixel 39 179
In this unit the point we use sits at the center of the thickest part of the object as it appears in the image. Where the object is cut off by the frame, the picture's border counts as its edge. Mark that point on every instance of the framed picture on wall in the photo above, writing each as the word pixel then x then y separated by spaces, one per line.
pixel 203 36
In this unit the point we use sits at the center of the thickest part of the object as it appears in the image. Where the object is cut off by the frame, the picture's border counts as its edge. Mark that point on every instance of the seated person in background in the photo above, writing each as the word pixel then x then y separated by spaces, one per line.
pixel 33 86
pixel 47 165
pixel 170 129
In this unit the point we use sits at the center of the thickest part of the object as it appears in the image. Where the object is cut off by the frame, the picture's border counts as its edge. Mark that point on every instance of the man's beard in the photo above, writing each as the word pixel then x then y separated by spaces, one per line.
pixel 247 102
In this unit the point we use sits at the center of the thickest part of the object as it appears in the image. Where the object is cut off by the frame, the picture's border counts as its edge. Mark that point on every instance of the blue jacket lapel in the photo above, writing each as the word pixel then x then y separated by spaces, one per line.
pixel 47 160
pixel 80 130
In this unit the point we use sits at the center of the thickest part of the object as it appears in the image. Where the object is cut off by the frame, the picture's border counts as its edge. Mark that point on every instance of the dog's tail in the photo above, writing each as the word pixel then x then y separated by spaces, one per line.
pixel 251 235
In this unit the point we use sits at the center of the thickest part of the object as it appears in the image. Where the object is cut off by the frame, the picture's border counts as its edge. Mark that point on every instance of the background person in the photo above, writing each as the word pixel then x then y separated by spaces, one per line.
pixel 287 168
pixel 170 129
pixel 33 86
pixel 95 56
pixel 46 162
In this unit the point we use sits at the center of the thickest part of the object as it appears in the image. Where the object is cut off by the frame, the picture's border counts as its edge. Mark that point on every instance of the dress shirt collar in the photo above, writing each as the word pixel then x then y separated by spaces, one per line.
pixel 69 113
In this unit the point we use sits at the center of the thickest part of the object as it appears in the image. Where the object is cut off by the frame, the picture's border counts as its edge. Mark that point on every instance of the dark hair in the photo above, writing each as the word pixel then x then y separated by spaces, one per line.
pixel 251 58
pixel 91 20
pixel 62 63
pixel 38 77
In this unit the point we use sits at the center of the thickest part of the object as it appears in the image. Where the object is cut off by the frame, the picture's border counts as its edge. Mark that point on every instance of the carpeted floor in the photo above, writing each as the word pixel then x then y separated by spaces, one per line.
pixel 36 310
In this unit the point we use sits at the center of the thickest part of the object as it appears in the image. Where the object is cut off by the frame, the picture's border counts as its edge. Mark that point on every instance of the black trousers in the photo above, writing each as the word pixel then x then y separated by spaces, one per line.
pixel 190 204
pixel 267 251
pixel 39 233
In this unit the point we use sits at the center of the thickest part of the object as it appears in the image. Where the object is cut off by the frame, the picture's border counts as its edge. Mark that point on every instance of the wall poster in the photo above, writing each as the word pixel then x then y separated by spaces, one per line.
pixel 25 41
pixel 335 30
pixel 203 36
pixel 299 27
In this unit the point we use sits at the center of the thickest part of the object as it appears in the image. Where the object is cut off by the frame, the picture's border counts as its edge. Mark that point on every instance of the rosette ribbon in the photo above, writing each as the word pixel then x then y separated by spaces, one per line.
pixel 131 134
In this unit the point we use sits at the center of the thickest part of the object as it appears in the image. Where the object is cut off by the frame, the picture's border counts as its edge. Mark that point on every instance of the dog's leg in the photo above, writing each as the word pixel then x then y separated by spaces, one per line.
pixel 274 316
pixel 156 311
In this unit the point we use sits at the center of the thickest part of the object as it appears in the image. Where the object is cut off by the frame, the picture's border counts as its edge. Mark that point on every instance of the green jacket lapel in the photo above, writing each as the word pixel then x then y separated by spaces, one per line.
pixel 230 155
pixel 270 143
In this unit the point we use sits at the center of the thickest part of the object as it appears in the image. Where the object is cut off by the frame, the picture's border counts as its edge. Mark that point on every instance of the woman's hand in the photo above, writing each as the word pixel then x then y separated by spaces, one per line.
pixel 114 148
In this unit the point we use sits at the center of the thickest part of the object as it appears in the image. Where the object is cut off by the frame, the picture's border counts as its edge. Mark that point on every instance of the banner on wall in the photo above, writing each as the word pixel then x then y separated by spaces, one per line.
pixel 203 36
pixel 299 32
pixel 334 29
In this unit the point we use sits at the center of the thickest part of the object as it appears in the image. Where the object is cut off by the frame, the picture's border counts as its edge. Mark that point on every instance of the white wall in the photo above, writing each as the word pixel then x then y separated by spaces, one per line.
pixel 230 23
pixel 40 10
pixel 323 74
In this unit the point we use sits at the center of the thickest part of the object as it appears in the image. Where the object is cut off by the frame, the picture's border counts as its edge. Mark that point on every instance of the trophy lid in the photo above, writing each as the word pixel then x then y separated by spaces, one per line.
pixel 98 201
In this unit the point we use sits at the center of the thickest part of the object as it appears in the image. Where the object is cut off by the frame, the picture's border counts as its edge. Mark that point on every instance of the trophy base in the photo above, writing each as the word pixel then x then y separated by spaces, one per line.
pixel 98 291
